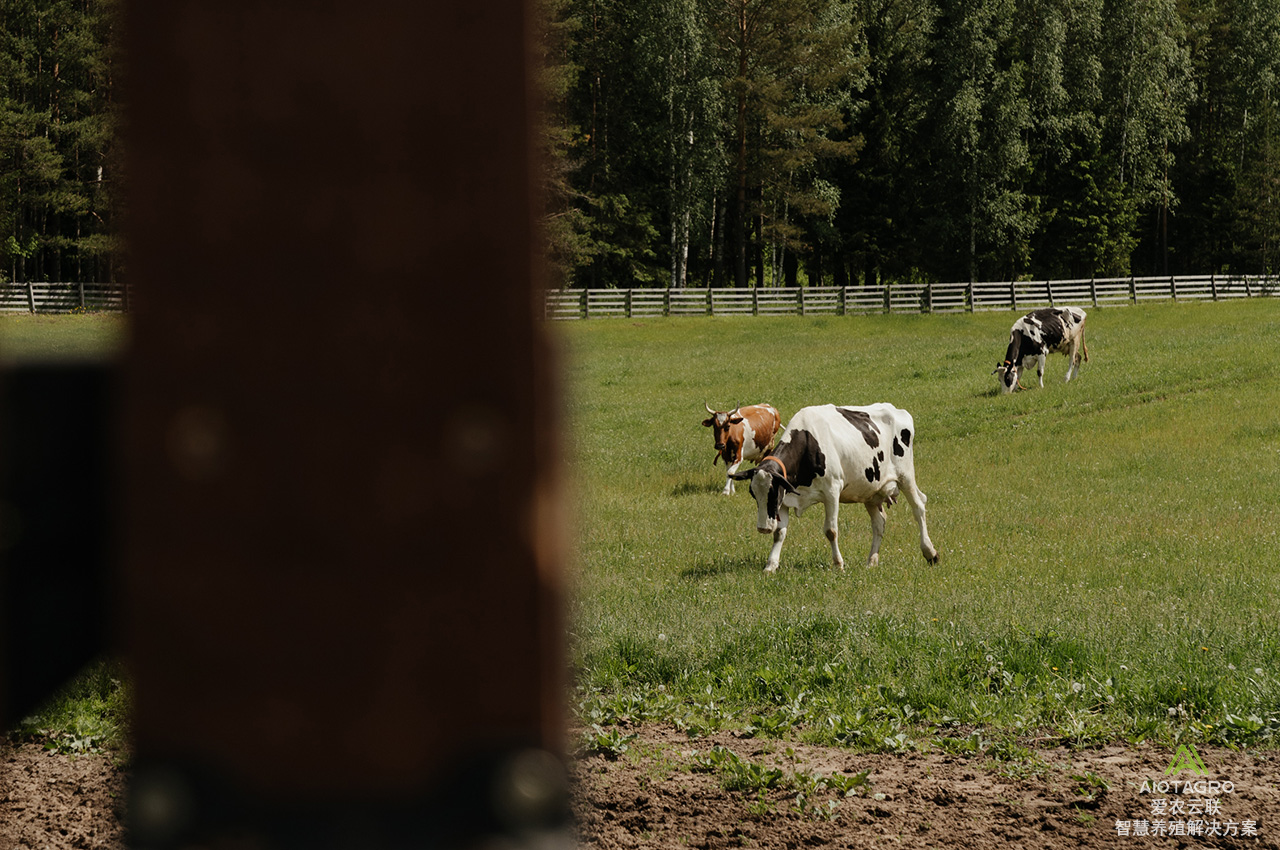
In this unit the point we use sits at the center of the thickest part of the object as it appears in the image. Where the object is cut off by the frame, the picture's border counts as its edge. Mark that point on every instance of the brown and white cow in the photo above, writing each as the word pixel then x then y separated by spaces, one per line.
pixel 744 433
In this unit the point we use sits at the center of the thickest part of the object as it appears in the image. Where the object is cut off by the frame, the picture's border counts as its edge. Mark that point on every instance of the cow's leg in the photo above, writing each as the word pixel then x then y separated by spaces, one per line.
pixel 1073 358
pixel 917 500
pixel 779 535
pixel 728 477
pixel 1040 369
pixel 877 513
pixel 833 531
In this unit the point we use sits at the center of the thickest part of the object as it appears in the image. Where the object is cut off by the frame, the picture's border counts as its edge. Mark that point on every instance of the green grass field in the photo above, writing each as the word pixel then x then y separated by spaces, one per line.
pixel 1109 546
pixel 1129 592
pixel 55 337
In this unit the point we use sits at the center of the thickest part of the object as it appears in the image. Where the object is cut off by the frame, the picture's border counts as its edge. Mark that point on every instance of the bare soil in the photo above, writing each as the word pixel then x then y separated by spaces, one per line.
pixel 59 802
pixel 651 797
pixel 648 797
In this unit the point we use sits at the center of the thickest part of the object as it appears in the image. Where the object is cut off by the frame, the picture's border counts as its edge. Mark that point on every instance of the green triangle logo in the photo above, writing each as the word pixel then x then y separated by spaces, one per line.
pixel 1186 758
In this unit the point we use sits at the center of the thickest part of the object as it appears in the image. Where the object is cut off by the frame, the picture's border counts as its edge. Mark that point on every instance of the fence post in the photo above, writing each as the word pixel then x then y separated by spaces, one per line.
pixel 844 300
pixel 627 302
pixel 800 299
pixel 969 293
pixel 666 303
pixel 1093 290
pixel 1048 288
pixel 1248 291
pixel 1213 285
pixel 1013 294
pixel 928 298
pixel 1173 287
pixel 1133 290
pixel 888 306
pixel 584 308
pixel 31 296
pixel 80 284
pixel 711 301
pixel 755 301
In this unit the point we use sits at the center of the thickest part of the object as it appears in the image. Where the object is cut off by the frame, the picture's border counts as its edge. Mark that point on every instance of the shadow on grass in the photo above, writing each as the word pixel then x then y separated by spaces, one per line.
pixel 698 488
pixel 720 565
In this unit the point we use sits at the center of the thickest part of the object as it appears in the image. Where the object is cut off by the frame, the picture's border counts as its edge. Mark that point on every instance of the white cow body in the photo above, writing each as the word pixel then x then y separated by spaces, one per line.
pixel 828 455
pixel 1038 334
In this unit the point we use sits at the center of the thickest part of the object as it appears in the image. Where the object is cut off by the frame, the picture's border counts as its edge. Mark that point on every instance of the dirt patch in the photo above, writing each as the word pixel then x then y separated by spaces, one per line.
pixel 650 797
pixel 58 802
pixel 654 796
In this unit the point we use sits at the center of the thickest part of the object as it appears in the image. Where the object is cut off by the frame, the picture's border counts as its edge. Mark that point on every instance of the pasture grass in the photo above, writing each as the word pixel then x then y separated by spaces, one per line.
pixel 1109 546
pixel 42 336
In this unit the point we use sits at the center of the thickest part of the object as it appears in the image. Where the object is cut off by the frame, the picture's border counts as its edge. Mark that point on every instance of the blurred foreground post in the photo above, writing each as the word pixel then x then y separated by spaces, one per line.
pixel 341 537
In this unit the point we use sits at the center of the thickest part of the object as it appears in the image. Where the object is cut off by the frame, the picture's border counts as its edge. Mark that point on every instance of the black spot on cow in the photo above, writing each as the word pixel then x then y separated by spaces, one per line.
pixel 906 437
pixel 897 447
pixel 803 457
pixel 880 455
pixel 861 420
pixel 873 472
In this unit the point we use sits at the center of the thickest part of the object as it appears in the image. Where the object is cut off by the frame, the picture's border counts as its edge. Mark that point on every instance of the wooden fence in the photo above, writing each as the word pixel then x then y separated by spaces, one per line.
pixel 63 297
pixel 901 298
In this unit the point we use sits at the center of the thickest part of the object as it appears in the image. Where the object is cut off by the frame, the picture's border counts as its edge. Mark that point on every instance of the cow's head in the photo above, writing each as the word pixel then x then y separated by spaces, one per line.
pixel 1007 372
pixel 769 486
pixel 719 423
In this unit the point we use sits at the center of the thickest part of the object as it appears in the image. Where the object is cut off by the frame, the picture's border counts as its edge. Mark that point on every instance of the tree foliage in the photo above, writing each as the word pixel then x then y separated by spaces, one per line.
pixel 58 167
pixel 739 142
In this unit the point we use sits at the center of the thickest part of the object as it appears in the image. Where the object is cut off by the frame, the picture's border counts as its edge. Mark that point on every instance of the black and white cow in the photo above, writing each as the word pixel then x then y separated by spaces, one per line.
pixel 829 455
pixel 1037 334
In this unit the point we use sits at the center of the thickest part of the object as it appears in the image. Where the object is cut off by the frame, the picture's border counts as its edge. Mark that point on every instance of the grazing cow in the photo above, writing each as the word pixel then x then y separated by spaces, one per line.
pixel 744 433
pixel 1037 334
pixel 832 454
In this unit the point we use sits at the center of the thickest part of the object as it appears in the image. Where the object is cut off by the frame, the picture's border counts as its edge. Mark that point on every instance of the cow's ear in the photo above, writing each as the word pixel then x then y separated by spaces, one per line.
pixel 743 475
pixel 708 422
pixel 734 420
pixel 786 485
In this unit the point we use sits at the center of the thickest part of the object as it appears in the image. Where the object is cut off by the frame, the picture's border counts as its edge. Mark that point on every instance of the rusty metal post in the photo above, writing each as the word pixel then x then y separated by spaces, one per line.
pixel 341 538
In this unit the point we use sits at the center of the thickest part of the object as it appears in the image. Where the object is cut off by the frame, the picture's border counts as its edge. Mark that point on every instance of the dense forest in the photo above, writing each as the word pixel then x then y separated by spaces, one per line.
pixel 58 123
pixel 776 142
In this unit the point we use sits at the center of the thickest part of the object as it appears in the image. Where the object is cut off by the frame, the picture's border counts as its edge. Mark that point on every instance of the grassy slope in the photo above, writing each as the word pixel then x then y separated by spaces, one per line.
pixel 1109 545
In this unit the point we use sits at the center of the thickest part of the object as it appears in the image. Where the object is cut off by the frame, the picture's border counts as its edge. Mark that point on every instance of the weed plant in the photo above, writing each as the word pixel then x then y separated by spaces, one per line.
pixel 89 715
pixel 1109 546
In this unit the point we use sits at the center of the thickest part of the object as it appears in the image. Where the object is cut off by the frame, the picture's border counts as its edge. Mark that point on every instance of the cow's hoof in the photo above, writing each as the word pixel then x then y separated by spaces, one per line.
pixel 771 568
pixel 932 559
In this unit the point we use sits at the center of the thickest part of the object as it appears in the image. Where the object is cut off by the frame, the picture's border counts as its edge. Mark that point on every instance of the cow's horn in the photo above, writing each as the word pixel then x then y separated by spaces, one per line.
pixel 708 407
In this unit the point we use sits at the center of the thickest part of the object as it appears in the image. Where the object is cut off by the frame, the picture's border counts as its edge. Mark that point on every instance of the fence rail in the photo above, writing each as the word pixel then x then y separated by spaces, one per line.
pixel 63 297
pixel 909 298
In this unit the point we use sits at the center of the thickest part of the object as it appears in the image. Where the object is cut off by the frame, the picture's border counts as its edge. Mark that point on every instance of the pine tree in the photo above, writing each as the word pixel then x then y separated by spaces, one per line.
pixel 57 139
